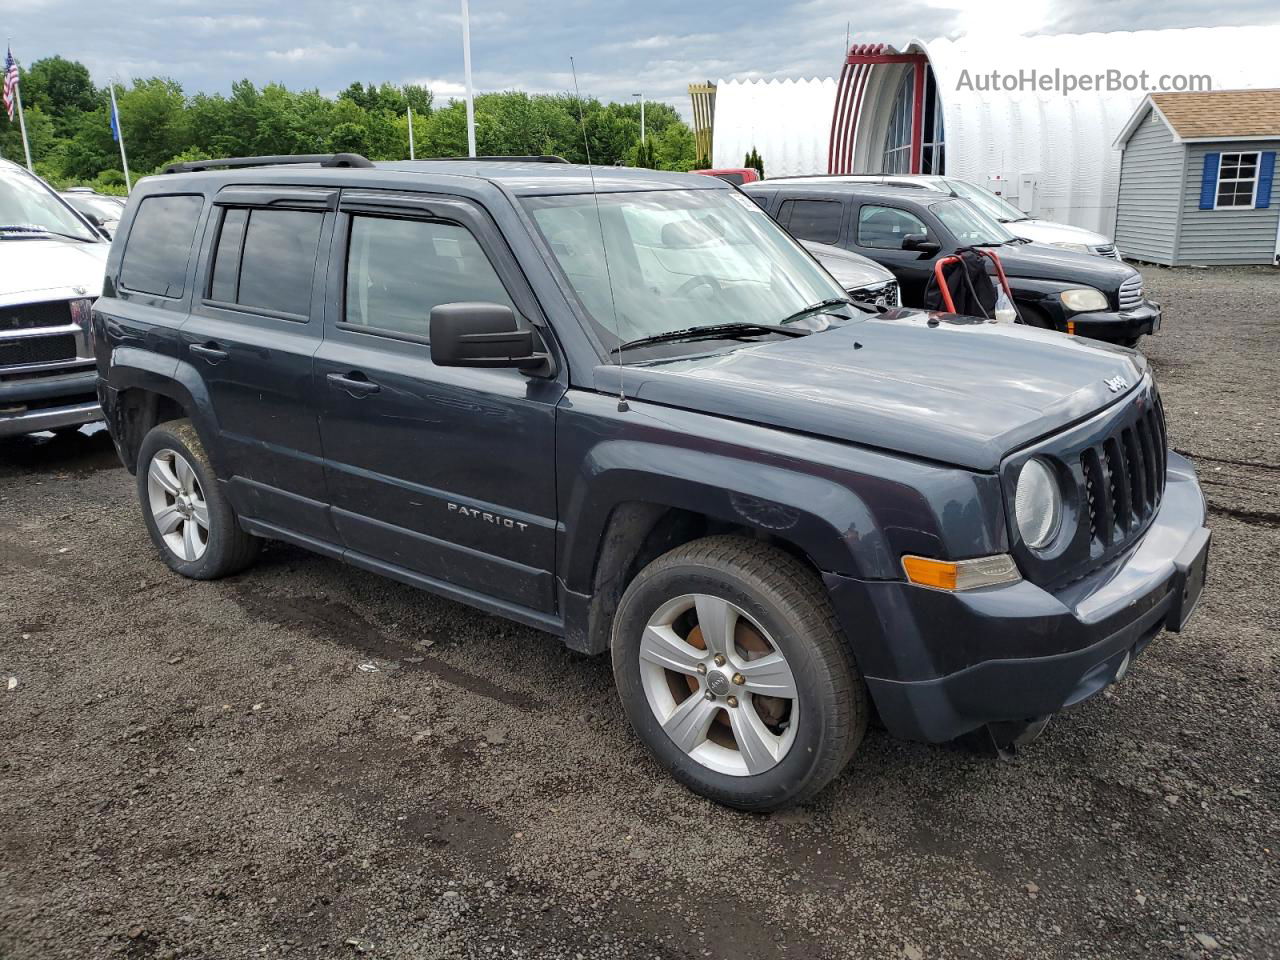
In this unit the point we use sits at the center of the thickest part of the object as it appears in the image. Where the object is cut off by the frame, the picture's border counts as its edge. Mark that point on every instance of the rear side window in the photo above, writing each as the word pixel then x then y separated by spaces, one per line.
pixel 159 245
pixel 816 220
pixel 397 270
pixel 266 260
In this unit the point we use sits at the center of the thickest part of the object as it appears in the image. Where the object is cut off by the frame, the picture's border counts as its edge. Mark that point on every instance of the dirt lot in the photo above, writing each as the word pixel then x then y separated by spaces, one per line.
pixel 204 769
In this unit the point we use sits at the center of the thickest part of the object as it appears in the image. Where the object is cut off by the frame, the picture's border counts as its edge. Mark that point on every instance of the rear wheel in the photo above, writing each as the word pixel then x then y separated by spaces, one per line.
pixel 189 519
pixel 732 670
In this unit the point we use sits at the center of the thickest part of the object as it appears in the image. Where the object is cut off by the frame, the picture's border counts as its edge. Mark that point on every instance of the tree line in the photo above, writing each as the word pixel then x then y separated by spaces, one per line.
pixel 69 125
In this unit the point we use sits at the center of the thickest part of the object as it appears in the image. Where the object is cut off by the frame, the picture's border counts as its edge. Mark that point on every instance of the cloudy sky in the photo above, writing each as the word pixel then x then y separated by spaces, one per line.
pixel 657 47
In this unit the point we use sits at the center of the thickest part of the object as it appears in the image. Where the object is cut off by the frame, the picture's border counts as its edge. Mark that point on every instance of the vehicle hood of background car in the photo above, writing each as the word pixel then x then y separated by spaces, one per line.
pixel 959 390
pixel 850 270
pixel 1050 231
pixel 1039 261
pixel 31 265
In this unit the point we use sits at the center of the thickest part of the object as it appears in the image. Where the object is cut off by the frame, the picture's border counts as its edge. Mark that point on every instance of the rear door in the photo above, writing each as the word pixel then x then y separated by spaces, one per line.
pixel 447 473
pixel 818 219
pixel 254 327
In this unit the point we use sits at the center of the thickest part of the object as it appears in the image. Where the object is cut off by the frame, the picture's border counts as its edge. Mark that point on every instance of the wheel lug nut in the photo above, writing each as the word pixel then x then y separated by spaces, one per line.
pixel 720 660
pixel 710 695
pixel 702 668
pixel 732 701
pixel 739 679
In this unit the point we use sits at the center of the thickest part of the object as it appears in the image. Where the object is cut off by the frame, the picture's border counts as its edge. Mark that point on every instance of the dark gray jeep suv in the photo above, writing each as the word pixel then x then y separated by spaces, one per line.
pixel 634 413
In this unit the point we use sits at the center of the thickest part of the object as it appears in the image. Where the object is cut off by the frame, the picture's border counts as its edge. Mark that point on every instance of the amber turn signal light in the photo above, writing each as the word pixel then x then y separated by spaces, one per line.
pixel 956 575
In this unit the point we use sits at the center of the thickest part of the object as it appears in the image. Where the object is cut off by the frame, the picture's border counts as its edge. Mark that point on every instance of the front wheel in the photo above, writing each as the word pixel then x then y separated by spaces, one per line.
pixel 733 671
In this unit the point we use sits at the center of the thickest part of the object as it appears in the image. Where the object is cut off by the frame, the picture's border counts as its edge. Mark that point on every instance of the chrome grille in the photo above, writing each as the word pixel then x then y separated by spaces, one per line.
pixel 26 350
pixel 1131 292
pixel 883 293
pixel 28 316
pixel 1124 477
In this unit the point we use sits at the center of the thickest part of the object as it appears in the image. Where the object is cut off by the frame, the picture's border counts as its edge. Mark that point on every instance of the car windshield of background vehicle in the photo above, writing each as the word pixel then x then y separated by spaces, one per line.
pixel 677 259
pixel 26 204
pixel 997 208
pixel 99 207
pixel 969 225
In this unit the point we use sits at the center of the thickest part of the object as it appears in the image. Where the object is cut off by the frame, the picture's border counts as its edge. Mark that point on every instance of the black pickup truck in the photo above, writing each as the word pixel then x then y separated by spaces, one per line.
pixel 631 411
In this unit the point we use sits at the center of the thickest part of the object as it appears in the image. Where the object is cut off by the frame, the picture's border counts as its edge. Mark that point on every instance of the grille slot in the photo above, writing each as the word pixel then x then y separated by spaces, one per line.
pixel 1107 250
pixel 28 316
pixel 1124 477
pixel 1131 292
pixel 27 350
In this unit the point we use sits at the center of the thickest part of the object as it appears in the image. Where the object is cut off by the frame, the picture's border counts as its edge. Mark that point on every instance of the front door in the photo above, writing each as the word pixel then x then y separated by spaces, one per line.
pixel 447 473
pixel 877 231
pixel 254 326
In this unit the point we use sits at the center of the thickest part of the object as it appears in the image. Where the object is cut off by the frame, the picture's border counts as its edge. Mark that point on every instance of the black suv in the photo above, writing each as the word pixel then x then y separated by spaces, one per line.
pixel 634 413
pixel 907 230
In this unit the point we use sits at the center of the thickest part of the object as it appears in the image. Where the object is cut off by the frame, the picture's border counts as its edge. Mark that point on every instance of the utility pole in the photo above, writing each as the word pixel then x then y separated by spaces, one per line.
pixel 411 156
pixel 466 70
pixel 641 96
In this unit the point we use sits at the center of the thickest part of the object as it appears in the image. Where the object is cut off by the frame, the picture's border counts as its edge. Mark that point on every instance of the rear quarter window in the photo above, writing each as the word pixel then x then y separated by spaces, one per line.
pixel 158 249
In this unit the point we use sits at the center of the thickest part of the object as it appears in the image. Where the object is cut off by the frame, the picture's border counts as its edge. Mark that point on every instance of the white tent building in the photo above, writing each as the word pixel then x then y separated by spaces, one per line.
pixel 1040 131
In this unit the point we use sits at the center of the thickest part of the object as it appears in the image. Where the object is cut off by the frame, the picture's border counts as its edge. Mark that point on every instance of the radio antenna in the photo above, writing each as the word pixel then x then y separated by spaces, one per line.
pixel 604 248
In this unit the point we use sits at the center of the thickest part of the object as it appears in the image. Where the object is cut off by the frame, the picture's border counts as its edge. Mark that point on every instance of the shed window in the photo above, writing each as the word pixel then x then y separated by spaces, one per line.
pixel 1237 180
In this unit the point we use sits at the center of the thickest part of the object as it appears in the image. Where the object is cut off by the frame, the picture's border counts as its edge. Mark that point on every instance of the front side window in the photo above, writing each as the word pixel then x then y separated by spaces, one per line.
pixel 397 270
pixel 266 260
pixel 816 220
pixel 677 259
pixel 884 227
pixel 968 224
pixel 159 245
pixel 1237 180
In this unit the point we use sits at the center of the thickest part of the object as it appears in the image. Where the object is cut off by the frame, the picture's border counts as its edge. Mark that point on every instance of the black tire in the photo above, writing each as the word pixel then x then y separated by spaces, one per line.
pixel 228 549
pixel 788 601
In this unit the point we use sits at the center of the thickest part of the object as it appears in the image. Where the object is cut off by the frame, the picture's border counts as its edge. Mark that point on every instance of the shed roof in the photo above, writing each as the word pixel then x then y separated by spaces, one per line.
pixel 1214 115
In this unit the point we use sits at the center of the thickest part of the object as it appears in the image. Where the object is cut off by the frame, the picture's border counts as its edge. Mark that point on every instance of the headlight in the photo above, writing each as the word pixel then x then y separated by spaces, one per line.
pixel 1082 247
pixel 1037 504
pixel 1083 300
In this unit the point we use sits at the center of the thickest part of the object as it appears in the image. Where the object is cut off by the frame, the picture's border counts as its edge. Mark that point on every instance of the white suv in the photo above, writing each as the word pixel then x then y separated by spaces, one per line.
pixel 1018 223
pixel 52 262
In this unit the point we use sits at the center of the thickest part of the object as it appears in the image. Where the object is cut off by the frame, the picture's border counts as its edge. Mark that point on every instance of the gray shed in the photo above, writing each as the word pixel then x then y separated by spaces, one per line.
pixel 1196 179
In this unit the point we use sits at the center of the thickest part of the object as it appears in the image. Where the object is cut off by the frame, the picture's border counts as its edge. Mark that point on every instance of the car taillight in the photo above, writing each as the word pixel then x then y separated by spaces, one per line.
pixel 82 317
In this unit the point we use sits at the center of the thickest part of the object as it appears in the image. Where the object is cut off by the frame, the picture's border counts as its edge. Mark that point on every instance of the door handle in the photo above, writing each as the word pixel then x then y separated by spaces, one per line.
pixel 355 384
pixel 209 351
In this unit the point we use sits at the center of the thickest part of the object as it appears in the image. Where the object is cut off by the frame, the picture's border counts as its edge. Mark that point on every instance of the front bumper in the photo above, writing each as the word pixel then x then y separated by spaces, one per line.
pixel 1121 325
pixel 949 663
pixel 48 403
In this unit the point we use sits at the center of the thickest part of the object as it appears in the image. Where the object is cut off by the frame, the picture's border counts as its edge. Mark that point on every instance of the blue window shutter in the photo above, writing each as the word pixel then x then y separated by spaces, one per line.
pixel 1209 181
pixel 1266 173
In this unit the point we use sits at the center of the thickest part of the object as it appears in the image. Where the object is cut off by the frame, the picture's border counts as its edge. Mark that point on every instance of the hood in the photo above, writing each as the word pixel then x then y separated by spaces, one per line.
pixel 952 389
pixel 1039 261
pixel 1049 231
pixel 48 269
pixel 850 270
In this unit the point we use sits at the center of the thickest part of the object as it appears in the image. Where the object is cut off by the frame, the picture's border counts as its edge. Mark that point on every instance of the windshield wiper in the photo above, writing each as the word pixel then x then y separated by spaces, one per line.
pixel 31 228
pixel 816 308
pixel 712 332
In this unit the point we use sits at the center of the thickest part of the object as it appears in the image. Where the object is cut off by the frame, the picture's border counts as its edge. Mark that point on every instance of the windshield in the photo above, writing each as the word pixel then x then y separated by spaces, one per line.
pixel 997 208
pixel 26 202
pixel 968 224
pixel 678 259
pixel 103 207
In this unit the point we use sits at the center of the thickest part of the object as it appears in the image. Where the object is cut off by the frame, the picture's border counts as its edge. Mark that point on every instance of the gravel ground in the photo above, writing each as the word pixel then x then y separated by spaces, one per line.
pixel 210 769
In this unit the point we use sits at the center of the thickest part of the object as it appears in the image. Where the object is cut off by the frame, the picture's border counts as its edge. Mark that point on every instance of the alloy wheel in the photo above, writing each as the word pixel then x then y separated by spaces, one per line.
pixel 177 505
pixel 718 685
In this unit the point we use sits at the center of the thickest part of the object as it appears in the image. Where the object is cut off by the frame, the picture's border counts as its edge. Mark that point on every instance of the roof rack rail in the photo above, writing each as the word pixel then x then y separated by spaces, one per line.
pixel 544 158
pixel 227 163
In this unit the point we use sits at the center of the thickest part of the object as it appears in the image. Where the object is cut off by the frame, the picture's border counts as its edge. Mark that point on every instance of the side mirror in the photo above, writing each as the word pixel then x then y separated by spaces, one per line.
pixel 484 335
pixel 98 225
pixel 920 243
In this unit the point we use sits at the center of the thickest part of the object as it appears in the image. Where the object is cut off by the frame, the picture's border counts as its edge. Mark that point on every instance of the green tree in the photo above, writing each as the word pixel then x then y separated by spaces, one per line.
pixel 61 88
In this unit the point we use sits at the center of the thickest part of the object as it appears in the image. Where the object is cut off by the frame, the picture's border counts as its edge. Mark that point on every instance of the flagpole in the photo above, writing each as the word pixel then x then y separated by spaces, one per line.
pixel 466 70
pixel 411 156
pixel 124 160
pixel 22 125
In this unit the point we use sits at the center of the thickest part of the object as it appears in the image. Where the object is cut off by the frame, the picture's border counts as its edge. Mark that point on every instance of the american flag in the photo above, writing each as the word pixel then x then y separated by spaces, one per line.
pixel 10 83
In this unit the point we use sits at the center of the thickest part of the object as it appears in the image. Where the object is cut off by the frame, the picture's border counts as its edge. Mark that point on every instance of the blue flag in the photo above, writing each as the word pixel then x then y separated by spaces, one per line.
pixel 115 123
